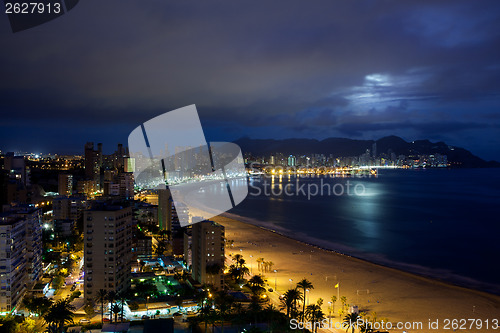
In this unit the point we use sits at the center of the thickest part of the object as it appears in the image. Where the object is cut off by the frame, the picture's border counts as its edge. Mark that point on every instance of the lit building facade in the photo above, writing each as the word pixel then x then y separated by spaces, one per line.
pixel 207 251
pixel 107 248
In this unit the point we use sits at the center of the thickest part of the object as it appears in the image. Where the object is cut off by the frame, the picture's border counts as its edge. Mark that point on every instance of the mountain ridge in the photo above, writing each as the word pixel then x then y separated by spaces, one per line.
pixel 457 156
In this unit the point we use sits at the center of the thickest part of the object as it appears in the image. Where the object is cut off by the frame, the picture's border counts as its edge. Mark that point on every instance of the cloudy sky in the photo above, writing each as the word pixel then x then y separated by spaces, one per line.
pixel 357 69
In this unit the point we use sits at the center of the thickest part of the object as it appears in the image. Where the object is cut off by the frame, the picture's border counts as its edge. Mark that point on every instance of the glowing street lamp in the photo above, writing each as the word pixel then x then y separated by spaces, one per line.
pixel 275 271
pixel 330 305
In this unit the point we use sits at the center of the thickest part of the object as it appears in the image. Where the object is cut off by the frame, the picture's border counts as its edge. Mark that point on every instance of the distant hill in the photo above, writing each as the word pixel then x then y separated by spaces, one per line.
pixel 348 147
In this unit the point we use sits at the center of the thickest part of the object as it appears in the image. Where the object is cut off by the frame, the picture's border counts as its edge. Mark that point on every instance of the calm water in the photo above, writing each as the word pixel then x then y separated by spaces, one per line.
pixel 441 223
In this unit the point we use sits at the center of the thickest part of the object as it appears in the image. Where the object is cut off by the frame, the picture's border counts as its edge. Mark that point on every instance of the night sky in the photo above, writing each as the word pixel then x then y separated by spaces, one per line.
pixel 312 69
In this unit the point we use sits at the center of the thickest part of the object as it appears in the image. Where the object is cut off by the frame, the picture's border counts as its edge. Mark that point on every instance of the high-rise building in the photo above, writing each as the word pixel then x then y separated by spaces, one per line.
pixel 4 183
pixel 291 161
pixel 208 253
pixel 16 165
pixel 34 247
pixel 20 254
pixel 93 162
pixel 68 208
pixel 65 184
pixel 107 247
pixel 86 187
pixel 188 246
pixel 144 246
pixel 13 257
pixel 165 210
pixel 126 181
pixel 129 164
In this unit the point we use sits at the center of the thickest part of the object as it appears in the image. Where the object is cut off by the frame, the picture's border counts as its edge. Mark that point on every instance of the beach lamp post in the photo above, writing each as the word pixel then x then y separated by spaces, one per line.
pixel 330 306
pixel 275 271
pixel 251 256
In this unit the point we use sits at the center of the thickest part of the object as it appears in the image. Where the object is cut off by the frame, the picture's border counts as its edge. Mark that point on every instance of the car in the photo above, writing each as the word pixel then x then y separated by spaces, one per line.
pixel 84 321
pixel 177 314
pixel 145 317
pixel 105 319
pixel 270 290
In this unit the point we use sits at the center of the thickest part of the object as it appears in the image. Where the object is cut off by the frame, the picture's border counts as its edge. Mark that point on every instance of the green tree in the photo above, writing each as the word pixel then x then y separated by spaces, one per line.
pixel 304 284
pixel 289 301
pixel 256 284
pixel 314 314
pixel 206 313
pixel 58 315
pixel 89 310
pixel 260 261
pixel 101 298
pixel 9 324
pixel 350 321
pixel 334 299
pixel 29 325
pixel 343 300
pixel 116 309
pixel 37 305
pixel 223 304
pixel 111 297
pixel 57 282
pixel 123 296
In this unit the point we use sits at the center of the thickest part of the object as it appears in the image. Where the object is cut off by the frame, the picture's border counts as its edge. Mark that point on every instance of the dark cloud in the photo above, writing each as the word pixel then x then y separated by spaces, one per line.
pixel 351 68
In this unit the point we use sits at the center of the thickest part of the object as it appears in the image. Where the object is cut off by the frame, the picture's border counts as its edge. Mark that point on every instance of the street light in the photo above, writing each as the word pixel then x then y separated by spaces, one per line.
pixel 330 305
pixel 275 271
pixel 147 309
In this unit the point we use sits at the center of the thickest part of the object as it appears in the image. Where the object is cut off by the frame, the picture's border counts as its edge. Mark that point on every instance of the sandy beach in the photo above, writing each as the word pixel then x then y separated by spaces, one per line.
pixel 392 294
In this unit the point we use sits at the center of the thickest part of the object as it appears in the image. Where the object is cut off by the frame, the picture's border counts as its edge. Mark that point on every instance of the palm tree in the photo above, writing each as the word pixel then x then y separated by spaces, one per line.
pixel 350 321
pixel 255 308
pixel 289 301
pixel 38 305
pixel 269 265
pixel 260 261
pixel 314 314
pixel 256 284
pixel 223 304
pixel 123 296
pixel 334 299
pixel 101 298
pixel 343 300
pixel 116 309
pixel 238 316
pixel 59 314
pixel 238 260
pixel 304 284
pixel 111 298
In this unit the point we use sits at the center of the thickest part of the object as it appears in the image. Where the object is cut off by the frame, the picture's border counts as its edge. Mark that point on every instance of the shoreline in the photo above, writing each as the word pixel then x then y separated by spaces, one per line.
pixel 390 292
pixel 432 276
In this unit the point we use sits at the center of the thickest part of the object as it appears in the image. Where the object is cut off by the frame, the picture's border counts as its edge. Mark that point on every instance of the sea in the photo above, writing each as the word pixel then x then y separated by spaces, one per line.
pixel 439 223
